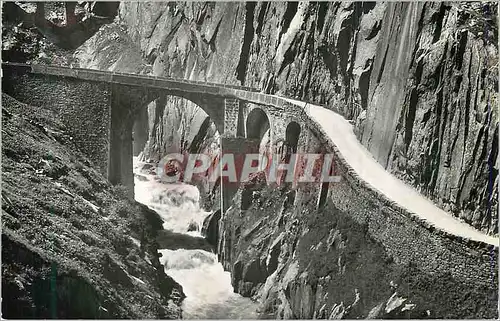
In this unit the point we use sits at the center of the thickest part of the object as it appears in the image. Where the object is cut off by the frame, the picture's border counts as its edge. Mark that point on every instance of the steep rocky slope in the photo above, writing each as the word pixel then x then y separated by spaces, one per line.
pixel 303 262
pixel 419 79
pixel 73 246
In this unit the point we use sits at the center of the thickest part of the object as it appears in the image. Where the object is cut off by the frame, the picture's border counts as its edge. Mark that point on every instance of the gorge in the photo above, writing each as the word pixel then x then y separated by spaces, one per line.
pixel 404 96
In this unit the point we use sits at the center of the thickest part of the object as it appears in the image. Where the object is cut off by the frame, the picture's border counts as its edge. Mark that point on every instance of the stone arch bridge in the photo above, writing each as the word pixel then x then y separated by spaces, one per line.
pixel 100 108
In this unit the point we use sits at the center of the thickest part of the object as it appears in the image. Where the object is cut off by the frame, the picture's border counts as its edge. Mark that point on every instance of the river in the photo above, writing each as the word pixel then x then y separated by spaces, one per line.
pixel 208 289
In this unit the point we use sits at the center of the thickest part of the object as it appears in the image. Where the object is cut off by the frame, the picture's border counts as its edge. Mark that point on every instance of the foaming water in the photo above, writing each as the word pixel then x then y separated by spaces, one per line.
pixel 209 294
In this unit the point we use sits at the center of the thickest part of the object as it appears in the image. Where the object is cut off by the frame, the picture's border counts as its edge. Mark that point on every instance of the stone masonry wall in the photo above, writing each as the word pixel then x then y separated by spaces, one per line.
pixel 231 110
pixel 84 106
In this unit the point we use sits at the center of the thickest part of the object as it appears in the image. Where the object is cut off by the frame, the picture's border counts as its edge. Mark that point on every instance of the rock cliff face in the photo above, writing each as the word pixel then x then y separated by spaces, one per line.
pixel 418 79
pixel 302 262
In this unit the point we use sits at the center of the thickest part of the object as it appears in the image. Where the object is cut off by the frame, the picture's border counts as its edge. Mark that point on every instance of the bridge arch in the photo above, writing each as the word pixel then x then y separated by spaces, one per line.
pixel 188 111
pixel 257 124
pixel 212 106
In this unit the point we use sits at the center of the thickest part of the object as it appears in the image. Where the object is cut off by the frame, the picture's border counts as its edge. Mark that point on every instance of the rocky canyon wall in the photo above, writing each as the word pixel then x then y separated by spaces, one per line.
pixel 351 259
pixel 418 79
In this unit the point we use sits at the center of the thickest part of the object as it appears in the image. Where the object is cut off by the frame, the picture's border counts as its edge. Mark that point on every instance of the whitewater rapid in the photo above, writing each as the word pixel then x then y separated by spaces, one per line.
pixel 208 289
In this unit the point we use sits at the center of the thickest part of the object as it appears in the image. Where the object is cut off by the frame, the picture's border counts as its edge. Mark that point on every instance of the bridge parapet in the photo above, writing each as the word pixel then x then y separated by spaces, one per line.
pixel 110 76
pixel 87 116
pixel 151 81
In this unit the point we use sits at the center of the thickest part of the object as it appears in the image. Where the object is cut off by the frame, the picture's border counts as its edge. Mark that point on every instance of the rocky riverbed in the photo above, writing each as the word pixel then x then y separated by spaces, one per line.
pixel 186 255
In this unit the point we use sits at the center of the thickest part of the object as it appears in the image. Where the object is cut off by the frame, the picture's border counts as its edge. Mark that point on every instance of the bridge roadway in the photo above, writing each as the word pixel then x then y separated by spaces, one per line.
pixel 337 129
pixel 174 84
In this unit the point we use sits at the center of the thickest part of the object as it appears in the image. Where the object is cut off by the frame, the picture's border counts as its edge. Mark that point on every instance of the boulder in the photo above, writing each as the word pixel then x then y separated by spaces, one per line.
pixel 174 241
